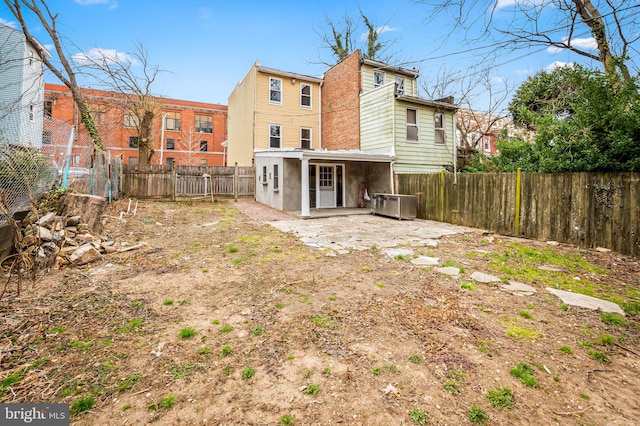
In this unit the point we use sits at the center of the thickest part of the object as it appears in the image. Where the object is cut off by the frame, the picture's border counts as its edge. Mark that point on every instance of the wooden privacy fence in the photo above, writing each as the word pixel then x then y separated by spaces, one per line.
pixel 169 181
pixel 585 209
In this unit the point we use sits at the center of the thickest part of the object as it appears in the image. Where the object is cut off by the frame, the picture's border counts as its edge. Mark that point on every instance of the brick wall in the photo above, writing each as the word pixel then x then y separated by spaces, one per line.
pixel 341 105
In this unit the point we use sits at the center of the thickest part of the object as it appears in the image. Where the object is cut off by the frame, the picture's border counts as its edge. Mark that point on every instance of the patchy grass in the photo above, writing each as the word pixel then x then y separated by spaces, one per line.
pixel 500 398
pixel 525 373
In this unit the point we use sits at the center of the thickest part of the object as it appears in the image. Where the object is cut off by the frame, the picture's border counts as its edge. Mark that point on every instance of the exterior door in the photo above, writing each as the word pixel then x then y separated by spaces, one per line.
pixel 326 180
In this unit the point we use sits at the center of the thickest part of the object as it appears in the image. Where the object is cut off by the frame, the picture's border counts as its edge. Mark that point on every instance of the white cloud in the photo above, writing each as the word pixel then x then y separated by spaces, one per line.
pixel 528 71
pixel 111 3
pixel 7 23
pixel 501 4
pixel 97 55
pixel 558 64
pixel 582 43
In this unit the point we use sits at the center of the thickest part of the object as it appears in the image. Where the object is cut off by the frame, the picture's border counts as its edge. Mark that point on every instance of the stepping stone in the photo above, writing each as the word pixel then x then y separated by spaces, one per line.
pixel 588 302
pixel 452 271
pixel 550 268
pixel 425 261
pixel 519 289
pixel 399 252
pixel 484 278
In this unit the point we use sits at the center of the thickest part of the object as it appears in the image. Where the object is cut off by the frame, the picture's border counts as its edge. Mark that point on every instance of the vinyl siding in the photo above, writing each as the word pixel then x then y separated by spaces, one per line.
pixel 290 115
pixel 22 86
pixel 240 122
pixel 376 119
pixel 410 84
pixel 425 155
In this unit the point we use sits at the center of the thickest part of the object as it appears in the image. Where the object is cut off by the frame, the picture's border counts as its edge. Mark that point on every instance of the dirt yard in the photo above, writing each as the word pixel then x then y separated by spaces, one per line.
pixel 218 319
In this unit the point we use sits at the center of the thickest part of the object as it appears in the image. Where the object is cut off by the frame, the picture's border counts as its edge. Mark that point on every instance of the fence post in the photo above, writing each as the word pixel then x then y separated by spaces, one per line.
pixel 516 222
pixel 174 177
pixel 441 196
pixel 235 182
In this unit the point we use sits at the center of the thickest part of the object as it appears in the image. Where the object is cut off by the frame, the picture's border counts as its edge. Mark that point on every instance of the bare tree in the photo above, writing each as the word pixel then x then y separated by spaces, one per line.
pixel 191 145
pixel 482 100
pixel 606 32
pixel 340 39
pixel 66 72
pixel 131 76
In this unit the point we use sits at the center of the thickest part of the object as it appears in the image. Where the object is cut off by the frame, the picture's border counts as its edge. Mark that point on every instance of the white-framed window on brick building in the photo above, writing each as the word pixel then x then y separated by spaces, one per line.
pixel 439 123
pixel 305 138
pixel 378 78
pixel 412 125
pixel 305 95
pixel 275 136
pixel 204 123
pixel 276 178
pixel 172 122
pixel 275 91
pixel 130 121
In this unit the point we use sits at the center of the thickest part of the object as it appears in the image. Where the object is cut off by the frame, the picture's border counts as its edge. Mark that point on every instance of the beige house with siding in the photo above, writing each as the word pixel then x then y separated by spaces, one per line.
pixel 272 110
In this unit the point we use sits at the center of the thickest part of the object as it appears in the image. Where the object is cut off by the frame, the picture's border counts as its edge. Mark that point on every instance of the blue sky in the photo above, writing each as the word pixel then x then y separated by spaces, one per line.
pixel 208 46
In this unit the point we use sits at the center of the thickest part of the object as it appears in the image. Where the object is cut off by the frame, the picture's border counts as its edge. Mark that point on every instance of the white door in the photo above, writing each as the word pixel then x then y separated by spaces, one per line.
pixel 326 195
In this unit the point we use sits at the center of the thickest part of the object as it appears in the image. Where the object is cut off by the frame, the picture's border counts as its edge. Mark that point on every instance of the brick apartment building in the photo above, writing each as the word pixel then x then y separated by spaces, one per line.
pixel 193 133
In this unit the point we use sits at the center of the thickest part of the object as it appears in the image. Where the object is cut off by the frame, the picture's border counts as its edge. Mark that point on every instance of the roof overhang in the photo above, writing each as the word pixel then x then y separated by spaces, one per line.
pixel 288 74
pixel 427 102
pixel 387 67
pixel 339 155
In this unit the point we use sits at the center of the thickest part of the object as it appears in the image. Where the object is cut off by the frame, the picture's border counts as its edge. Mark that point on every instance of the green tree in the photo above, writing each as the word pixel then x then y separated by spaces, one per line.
pixel 584 121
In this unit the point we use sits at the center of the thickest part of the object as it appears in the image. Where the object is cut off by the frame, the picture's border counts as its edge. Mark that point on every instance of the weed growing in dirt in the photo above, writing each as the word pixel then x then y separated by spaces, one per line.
pixel 287 419
pixel 183 302
pixel 226 329
pixel 165 403
pixel 324 322
pixel 332 297
pixel 566 350
pixel 248 372
pixel 179 371
pixel 458 374
pixel 82 346
pixel 468 286
pixel 227 370
pixel 136 303
pixel 128 382
pixel 418 416
pixel 392 368
pixel 326 370
pixel 585 343
pixel 215 322
pixel 613 319
pixel 599 356
pixel 477 415
pixel 187 333
pixel 226 351
pixel 522 333
pixel 125 407
pixel 257 331
pixel 564 308
pixel 585 396
pixel 500 398
pixel 415 358
pixel 168 302
pixel 376 371
pixel 605 340
pixel 451 387
pixel 10 380
pixel 81 405
pixel 524 372
pixel 525 314
pixel 233 249
pixel 312 389
pixel 279 305
pixel 131 325
pixel 204 351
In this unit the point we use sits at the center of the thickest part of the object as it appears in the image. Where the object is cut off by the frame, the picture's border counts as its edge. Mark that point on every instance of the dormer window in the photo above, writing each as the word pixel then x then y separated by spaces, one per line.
pixel 378 78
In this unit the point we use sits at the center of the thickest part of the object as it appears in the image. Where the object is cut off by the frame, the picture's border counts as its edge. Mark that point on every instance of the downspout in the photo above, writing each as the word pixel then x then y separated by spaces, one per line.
pixel 393 133
pixel 455 150
pixel 320 112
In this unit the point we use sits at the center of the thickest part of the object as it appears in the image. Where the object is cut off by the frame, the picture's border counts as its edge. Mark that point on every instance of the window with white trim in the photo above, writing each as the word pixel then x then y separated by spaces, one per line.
pixel 130 121
pixel 172 122
pixel 204 123
pixel 276 182
pixel 438 119
pixel 263 178
pixel 305 138
pixel 305 96
pixel 275 91
pixel 275 136
pixel 400 86
pixel 412 125
pixel 378 78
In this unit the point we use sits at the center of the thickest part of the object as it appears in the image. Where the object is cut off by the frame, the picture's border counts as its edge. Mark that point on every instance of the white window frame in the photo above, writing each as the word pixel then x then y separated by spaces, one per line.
pixel 377 82
pixel 439 125
pixel 263 176
pixel 276 178
pixel 413 125
pixel 279 137
pixel 271 90
pixel 302 129
pixel 303 96
pixel 400 81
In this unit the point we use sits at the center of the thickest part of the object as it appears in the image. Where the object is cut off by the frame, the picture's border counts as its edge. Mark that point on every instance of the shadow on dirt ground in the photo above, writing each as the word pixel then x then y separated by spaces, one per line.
pixel 222 319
